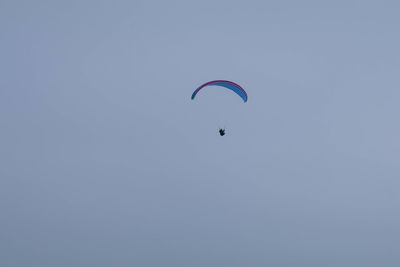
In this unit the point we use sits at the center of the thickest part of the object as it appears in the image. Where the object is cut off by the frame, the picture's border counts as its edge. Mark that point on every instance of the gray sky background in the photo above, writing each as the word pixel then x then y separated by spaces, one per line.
pixel 105 160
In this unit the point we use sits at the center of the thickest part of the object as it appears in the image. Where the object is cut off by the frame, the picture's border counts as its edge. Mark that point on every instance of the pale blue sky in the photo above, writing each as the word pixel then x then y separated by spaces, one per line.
pixel 105 160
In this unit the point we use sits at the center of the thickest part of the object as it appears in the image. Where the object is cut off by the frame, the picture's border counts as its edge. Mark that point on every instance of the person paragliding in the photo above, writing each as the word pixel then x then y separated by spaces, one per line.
pixel 228 85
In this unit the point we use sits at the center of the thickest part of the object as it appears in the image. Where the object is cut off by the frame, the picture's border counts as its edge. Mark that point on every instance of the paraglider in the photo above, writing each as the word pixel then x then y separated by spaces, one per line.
pixel 226 84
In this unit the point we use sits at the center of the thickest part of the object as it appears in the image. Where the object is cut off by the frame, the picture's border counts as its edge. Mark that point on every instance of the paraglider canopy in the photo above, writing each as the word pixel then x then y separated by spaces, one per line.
pixel 227 84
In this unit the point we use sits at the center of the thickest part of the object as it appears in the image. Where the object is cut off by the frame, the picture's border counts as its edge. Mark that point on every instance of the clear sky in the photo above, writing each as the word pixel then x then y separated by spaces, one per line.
pixel 105 160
